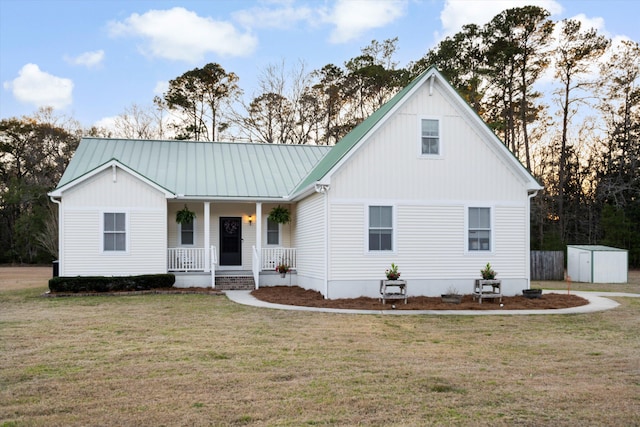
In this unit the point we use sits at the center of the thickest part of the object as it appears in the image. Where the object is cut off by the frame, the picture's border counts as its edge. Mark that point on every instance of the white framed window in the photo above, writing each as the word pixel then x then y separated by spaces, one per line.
pixel 430 137
pixel 479 229
pixel 380 230
pixel 273 232
pixel 187 232
pixel 114 232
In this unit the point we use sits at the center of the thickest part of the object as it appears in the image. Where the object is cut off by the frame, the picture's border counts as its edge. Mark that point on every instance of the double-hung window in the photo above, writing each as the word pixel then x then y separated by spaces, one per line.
pixel 114 232
pixel 187 232
pixel 380 228
pixel 430 137
pixel 479 229
pixel 273 232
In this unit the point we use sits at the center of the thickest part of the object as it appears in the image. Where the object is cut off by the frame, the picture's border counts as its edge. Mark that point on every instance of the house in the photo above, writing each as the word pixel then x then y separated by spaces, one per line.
pixel 422 183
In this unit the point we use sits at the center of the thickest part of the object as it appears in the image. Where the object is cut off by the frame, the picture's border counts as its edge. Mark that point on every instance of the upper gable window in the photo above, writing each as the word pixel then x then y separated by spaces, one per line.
pixel 430 144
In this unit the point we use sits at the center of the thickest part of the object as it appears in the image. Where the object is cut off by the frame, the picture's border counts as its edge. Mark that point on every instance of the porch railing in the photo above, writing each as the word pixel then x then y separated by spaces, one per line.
pixel 186 259
pixel 271 257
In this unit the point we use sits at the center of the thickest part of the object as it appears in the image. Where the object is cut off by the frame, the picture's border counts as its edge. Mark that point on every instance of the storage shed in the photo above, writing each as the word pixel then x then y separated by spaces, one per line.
pixel 597 264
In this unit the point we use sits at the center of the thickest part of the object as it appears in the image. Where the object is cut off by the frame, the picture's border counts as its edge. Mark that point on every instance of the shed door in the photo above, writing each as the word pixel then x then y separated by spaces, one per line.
pixel 230 241
pixel 585 267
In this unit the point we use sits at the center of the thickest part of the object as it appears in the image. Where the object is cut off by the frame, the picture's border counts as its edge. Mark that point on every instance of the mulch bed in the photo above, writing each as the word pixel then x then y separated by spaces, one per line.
pixel 294 295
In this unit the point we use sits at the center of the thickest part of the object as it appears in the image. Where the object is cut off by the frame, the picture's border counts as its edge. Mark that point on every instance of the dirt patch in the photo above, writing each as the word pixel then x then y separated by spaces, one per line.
pixel 294 295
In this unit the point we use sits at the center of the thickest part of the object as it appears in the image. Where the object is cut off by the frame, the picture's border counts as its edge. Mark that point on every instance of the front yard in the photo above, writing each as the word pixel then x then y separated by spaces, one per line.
pixel 203 360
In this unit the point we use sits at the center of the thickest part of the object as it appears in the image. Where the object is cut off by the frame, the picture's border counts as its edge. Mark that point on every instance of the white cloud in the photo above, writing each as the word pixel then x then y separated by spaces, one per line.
pixel 161 87
pixel 108 123
pixel 354 17
pixel 457 13
pixel 181 35
pixel 40 88
pixel 87 59
pixel 283 17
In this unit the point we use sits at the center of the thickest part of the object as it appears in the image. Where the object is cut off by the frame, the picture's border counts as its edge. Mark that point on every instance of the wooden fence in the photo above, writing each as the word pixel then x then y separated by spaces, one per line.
pixel 547 265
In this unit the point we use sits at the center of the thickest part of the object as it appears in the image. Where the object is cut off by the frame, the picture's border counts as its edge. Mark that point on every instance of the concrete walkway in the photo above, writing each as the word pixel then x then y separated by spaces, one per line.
pixel 597 302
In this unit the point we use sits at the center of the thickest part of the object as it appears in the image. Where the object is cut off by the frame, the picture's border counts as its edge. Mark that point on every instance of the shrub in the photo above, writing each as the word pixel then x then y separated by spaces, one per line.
pixel 111 284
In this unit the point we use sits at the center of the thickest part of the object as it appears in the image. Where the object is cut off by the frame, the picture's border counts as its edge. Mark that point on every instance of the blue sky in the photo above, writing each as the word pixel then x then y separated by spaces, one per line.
pixel 93 59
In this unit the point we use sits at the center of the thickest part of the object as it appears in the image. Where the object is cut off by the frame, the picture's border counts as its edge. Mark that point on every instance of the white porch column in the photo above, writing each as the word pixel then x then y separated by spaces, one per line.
pixel 259 231
pixel 207 236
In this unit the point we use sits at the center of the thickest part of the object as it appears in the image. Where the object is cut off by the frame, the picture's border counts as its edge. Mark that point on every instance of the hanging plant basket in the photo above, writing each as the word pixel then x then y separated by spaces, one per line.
pixel 280 215
pixel 184 215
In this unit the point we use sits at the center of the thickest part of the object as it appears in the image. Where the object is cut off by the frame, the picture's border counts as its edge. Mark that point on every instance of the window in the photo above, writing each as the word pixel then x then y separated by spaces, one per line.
pixel 430 137
pixel 380 228
pixel 115 232
pixel 479 229
pixel 187 233
pixel 273 232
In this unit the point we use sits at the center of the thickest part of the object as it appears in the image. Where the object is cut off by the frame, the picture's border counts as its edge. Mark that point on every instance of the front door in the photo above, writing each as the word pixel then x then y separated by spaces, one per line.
pixel 230 241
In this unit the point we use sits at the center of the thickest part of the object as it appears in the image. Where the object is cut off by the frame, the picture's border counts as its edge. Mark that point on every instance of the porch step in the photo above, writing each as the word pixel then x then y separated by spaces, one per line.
pixel 233 281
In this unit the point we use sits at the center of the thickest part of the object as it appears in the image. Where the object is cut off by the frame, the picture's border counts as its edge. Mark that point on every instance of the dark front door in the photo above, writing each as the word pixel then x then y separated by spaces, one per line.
pixel 230 241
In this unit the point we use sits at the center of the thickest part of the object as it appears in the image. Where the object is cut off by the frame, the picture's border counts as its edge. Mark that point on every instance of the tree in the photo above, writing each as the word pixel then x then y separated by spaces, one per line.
pixel 137 122
pixel 516 55
pixel 618 189
pixel 283 112
pixel 575 53
pixel 461 59
pixel 198 96
pixel 33 156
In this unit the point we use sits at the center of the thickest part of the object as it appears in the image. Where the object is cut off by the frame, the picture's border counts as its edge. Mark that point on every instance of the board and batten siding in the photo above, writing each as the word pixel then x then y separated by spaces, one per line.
pixel 388 164
pixel 310 242
pixel 83 207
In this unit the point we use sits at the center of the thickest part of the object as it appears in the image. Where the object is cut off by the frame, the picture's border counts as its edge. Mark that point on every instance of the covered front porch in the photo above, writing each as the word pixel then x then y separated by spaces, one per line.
pixel 224 238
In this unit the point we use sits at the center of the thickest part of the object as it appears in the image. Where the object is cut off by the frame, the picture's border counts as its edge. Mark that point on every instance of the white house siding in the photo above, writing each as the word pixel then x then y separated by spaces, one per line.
pixel 83 206
pixel 310 240
pixel 430 198
pixel 388 165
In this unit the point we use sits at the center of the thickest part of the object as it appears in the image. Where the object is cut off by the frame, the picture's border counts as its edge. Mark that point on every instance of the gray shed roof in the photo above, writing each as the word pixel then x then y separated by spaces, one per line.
pixel 202 169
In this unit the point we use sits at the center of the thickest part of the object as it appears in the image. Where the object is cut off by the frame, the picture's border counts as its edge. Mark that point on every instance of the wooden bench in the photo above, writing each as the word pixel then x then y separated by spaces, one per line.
pixel 393 289
pixel 479 292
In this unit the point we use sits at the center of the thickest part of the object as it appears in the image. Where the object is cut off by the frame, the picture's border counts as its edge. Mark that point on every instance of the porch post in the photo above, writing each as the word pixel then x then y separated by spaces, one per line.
pixel 207 237
pixel 259 232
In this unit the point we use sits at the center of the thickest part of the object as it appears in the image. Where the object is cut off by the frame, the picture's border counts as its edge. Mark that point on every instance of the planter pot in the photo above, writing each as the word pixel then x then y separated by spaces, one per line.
pixel 283 274
pixel 451 299
pixel 532 293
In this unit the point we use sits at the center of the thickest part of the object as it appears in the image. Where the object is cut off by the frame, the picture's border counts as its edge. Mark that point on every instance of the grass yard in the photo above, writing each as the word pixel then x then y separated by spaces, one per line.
pixel 203 360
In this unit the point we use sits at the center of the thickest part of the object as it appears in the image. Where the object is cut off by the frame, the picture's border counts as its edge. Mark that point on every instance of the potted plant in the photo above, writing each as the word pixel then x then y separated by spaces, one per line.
pixel 184 215
pixel 280 215
pixel 488 273
pixel 452 296
pixel 532 293
pixel 283 268
pixel 392 273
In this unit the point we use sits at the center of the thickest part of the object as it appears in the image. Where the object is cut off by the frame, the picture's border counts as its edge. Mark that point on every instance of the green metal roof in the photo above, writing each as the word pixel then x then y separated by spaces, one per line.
pixel 202 169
